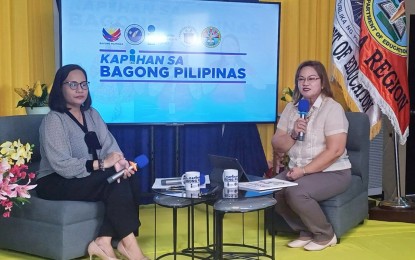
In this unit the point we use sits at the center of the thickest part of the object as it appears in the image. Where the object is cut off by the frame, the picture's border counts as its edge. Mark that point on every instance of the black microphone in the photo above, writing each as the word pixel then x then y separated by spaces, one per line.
pixel 141 162
pixel 303 108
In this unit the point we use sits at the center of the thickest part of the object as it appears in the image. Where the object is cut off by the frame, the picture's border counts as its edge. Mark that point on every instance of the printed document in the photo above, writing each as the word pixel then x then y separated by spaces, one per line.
pixel 266 185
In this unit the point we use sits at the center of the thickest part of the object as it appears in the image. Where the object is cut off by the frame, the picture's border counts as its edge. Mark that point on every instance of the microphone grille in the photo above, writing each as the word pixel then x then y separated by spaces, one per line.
pixel 141 161
pixel 303 106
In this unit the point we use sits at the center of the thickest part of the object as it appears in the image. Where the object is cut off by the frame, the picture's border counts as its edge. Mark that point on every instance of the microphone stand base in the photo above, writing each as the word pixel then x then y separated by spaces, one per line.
pixel 392 214
pixel 397 203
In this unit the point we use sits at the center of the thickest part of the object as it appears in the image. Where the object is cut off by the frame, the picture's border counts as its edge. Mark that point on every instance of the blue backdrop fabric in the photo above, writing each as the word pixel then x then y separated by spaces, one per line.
pixel 242 141
pixel 173 150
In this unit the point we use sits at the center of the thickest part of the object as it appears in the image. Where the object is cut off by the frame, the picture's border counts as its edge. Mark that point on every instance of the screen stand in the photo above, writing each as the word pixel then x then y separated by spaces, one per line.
pixel 152 161
pixel 177 151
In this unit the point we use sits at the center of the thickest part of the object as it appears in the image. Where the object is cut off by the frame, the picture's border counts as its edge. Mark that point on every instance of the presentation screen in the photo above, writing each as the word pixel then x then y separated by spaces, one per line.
pixel 181 61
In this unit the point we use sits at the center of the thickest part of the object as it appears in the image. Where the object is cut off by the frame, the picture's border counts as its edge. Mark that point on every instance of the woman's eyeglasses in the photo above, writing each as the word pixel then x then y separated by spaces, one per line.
pixel 74 85
pixel 310 79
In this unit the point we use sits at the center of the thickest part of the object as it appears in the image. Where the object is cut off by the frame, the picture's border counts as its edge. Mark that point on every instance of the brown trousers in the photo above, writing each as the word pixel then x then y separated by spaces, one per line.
pixel 298 205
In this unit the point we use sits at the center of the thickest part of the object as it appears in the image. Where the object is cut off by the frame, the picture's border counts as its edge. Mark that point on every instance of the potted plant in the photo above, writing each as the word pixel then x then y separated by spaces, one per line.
pixel 35 98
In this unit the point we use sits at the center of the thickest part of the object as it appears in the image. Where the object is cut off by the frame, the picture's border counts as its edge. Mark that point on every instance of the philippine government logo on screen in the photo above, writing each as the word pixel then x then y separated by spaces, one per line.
pixel 134 34
pixel 188 35
pixel 111 34
pixel 211 37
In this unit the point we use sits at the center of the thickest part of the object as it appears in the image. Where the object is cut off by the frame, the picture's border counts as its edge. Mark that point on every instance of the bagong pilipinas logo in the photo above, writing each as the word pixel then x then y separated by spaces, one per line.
pixel 134 34
pixel 386 23
pixel 211 37
pixel 111 35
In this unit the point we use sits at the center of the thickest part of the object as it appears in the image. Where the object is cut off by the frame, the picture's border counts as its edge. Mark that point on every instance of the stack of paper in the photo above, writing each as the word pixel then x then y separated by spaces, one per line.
pixel 266 185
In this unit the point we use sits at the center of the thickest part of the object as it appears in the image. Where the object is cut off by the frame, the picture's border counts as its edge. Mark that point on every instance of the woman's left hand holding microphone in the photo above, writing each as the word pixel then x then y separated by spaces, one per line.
pixel 117 160
pixel 123 164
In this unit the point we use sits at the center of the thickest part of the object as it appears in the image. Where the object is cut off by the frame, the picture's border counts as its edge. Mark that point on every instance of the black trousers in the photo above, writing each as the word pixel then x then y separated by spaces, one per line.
pixel 120 199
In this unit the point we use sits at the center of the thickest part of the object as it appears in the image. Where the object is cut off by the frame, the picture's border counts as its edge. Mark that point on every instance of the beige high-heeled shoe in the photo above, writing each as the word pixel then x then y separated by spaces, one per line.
pixel 94 249
pixel 124 252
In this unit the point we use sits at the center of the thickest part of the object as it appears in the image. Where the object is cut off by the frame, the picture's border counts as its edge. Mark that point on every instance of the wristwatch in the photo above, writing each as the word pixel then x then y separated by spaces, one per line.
pixel 293 137
pixel 101 164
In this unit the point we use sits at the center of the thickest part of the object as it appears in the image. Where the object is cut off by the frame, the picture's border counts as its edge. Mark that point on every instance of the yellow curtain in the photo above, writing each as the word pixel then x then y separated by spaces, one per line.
pixel 27 47
pixel 27 51
pixel 305 34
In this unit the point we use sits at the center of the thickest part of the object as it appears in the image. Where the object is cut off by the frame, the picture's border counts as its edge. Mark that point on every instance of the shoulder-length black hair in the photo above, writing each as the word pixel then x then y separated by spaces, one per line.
pixel 57 101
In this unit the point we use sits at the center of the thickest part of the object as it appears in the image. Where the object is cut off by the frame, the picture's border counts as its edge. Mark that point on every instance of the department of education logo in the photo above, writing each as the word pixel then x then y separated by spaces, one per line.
pixel 386 23
pixel 134 34
pixel 111 34
pixel 211 37
pixel 188 36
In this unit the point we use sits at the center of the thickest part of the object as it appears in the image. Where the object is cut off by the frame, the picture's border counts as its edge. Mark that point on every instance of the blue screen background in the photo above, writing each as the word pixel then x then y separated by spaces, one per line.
pixel 155 61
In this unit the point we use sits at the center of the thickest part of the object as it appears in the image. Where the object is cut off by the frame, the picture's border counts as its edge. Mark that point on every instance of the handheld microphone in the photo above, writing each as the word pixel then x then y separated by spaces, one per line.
pixel 141 162
pixel 178 181
pixel 303 108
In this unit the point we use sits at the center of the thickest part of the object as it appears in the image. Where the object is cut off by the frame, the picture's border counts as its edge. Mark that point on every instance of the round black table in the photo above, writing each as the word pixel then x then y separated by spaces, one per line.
pixel 223 201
